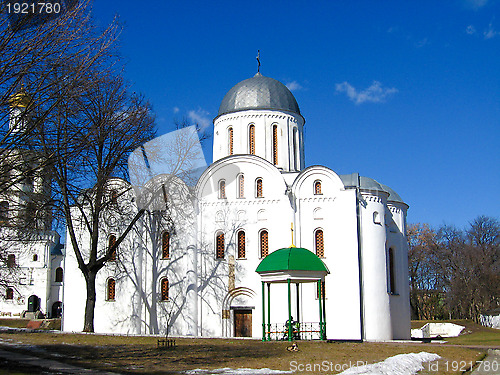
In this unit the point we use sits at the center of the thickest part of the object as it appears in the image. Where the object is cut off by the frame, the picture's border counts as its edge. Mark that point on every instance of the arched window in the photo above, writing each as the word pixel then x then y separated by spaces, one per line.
pixel 275 144
pixel 241 244
pixel 165 245
pixel 264 243
pixel 164 289
pixel 258 188
pixel 114 197
pixel 59 275
pixel 295 151
pixel 251 139
pixel 317 187
pixel 319 243
pixel 110 289
pixel 4 212
pixel 219 246
pixel 222 189
pixel 11 260
pixel 241 186
pixel 35 257
pixel 392 272
pixel 9 293
pixel 376 217
pixel 230 143
pixel 111 245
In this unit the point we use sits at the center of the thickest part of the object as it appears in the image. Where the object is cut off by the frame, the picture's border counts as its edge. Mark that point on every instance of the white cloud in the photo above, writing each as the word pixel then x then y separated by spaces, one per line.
pixel 476 4
pixel 176 109
pixel 491 32
pixel 293 86
pixel 471 30
pixel 374 94
pixel 200 117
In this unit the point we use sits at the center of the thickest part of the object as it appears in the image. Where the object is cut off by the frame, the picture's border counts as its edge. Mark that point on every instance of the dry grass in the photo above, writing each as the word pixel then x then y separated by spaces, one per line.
pixel 139 355
pixel 473 334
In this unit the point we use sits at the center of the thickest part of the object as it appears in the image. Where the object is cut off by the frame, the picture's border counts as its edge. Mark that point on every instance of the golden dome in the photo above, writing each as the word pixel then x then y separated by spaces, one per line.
pixel 20 99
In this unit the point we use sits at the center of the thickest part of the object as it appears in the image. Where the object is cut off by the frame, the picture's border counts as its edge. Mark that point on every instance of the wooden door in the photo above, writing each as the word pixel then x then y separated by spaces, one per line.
pixel 242 323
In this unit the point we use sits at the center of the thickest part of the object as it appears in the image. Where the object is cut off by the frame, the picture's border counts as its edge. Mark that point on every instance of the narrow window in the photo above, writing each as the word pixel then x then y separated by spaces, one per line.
pixel 35 257
pixel 230 136
pixel 258 188
pixel 59 275
pixel 319 243
pixel 164 289
pixel 322 290
pixel 251 139
pixel 222 189
pixel 295 151
pixel 4 212
pixel 392 272
pixel 11 261
pixel 317 187
pixel 275 144
pixel 241 244
pixel 376 217
pixel 241 186
pixel 219 246
pixel 111 247
pixel 114 197
pixel 165 245
pixel 264 244
pixel 111 289
pixel 9 293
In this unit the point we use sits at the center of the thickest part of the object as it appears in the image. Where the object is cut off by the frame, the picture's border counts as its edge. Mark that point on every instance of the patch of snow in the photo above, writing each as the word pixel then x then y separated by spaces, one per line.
pixel 401 364
pixel 239 371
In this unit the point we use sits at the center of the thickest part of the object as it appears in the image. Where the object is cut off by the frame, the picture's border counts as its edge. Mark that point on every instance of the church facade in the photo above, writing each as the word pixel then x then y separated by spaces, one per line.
pixel 194 274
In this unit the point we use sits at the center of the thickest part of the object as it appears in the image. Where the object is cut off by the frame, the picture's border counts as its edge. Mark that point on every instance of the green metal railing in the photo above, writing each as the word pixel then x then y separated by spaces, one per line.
pixel 299 331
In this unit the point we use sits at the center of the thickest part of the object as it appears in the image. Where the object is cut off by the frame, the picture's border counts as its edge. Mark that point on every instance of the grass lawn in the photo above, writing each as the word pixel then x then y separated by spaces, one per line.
pixel 139 355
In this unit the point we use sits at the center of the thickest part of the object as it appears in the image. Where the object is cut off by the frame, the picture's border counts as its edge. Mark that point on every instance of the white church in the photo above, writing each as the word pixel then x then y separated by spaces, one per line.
pixel 264 246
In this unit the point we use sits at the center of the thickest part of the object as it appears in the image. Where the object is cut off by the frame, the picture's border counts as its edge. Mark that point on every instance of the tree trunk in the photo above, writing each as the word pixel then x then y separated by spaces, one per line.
pixel 88 325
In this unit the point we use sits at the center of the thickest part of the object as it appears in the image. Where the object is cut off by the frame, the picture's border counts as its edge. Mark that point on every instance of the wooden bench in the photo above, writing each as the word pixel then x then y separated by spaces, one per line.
pixel 166 343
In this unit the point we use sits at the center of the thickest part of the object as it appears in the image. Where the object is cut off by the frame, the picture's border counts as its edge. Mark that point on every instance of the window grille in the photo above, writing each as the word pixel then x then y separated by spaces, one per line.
pixel 165 245
pixel 251 139
pixel 111 289
pixel 264 244
pixel 319 243
pixel 164 289
pixel 241 244
pixel 230 135
pixel 219 246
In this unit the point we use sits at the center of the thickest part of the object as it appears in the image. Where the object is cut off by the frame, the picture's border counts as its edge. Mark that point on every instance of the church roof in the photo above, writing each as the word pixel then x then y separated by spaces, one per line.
pixel 291 259
pixel 367 183
pixel 258 92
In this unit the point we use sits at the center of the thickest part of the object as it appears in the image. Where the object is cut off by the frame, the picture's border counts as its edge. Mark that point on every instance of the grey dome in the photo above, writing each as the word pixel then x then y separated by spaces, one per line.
pixel 258 92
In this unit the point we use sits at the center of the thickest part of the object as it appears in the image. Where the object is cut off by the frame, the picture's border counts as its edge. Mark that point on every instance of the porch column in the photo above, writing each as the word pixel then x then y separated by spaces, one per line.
pixel 289 312
pixel 263 312
pixel 269 311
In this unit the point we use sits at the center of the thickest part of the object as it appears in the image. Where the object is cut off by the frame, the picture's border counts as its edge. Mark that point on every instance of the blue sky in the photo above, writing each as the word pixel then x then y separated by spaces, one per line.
pixel 405 92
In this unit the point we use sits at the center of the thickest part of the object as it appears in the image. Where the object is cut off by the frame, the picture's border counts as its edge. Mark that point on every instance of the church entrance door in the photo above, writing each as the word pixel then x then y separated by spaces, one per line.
pixel 242 323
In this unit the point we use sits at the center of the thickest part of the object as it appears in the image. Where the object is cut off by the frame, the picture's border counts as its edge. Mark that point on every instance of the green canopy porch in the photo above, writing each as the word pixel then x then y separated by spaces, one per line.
pixel 291 265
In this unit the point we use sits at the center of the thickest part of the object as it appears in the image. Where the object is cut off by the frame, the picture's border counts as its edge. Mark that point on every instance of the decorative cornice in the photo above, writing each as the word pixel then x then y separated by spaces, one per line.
pixel 317 199
pixel 240 202
pixel 257 115
pixel 372 198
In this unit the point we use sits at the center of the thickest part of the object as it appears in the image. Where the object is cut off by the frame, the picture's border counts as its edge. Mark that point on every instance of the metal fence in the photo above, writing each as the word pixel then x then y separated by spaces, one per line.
pixel 300 331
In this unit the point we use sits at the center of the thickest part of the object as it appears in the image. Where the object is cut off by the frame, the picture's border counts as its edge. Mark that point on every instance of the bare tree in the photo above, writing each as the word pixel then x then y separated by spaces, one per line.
pixel 454 273
pixel 35 79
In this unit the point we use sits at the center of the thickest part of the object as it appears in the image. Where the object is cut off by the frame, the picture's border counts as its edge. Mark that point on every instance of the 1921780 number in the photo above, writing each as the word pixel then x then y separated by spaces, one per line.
pixel 33 8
